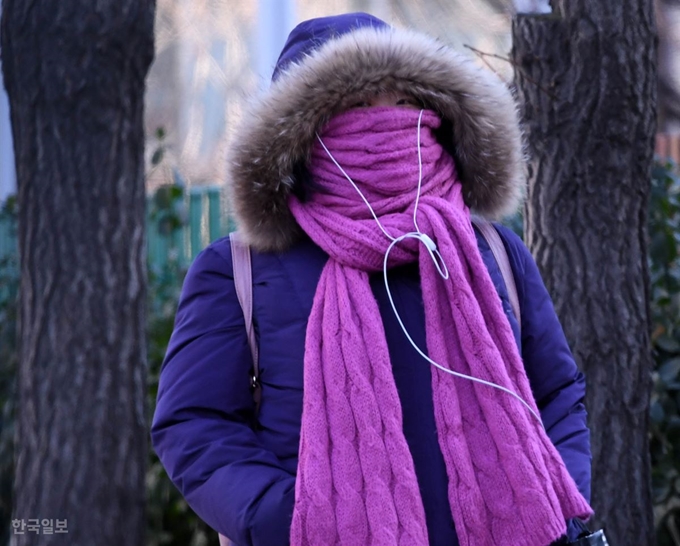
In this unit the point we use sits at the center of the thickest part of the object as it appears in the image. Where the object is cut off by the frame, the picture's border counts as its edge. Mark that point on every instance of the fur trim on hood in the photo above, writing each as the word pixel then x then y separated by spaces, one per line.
pixel 277 132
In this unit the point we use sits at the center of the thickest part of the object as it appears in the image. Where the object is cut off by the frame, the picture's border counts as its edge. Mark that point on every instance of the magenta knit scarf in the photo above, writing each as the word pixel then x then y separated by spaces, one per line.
pixel 356 482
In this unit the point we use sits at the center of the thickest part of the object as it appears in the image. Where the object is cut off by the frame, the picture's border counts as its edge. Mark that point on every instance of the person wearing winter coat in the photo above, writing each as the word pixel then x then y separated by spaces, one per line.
pixel 401 402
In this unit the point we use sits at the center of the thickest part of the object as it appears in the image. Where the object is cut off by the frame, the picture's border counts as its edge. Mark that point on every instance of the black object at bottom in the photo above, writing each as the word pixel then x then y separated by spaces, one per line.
pixel 595 539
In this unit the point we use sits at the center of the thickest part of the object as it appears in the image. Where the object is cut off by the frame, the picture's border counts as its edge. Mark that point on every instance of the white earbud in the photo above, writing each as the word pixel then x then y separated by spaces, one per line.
pixel 428 242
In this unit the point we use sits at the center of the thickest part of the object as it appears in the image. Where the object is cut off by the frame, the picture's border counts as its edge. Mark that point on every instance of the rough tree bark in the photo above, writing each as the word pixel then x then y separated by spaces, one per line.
pixel 586 79
pixel 74 71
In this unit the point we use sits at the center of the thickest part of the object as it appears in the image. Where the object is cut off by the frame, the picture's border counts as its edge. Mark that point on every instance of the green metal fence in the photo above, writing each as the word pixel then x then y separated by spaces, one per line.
pixel 180 223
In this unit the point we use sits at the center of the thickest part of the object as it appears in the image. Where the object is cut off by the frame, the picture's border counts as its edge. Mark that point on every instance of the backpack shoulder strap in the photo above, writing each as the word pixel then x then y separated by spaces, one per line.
pixel 501 255
pixel 243 280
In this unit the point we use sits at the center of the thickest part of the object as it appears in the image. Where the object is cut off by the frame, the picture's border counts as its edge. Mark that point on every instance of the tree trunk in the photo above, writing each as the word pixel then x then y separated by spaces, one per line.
pixel 586 81
pixel 74 71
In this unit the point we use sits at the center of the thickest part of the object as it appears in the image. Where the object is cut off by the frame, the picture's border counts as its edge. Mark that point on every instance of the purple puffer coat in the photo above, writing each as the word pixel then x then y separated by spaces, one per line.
pixel 237 470
pixel 241 481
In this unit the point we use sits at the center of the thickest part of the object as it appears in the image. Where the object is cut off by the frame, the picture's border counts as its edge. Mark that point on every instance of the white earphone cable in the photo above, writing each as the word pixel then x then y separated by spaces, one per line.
pixel 421 353
pixel 355 187
pixel 436 258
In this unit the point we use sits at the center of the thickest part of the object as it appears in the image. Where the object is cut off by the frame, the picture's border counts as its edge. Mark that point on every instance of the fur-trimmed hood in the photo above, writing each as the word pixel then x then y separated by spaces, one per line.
pixel 278 130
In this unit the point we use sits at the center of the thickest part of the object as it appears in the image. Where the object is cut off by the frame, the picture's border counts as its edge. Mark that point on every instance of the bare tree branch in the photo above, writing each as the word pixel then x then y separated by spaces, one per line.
pixel 482 55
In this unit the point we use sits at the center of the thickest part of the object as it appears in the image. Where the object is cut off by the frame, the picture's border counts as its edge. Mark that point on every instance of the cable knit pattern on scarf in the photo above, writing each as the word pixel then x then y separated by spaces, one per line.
pixel 356 480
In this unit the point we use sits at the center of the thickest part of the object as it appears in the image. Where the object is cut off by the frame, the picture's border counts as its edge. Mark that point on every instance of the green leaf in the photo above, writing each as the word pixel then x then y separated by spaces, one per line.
pixel 668 344
pixel 176 192
pixel 669 370
pixel 657 414
pixel 157 156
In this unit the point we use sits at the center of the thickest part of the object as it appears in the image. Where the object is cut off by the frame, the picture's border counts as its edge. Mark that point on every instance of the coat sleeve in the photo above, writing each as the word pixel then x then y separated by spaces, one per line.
pixel 557 384
pixel 201 426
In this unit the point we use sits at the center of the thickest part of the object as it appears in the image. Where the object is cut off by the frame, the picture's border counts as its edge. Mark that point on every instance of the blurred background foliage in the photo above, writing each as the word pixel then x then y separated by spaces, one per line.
pixel 9 287
pixel 664 232
pixel 172 522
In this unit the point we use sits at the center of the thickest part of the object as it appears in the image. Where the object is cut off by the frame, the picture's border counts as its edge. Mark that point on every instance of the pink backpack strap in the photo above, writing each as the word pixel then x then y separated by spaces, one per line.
pixel 501 255
pixel 243 280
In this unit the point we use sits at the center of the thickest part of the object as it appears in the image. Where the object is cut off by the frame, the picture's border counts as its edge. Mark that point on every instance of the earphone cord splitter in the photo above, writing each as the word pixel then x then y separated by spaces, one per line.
pixel 436 258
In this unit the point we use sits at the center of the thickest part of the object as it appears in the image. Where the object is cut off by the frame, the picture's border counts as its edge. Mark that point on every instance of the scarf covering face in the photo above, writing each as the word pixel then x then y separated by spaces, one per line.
pixel 356 482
